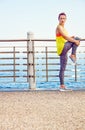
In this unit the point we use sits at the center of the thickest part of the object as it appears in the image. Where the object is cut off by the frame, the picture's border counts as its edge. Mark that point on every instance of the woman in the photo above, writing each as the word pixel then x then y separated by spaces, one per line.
pixel 64 44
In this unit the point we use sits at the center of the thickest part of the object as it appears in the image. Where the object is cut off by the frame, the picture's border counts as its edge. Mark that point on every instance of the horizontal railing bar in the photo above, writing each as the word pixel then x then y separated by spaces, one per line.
pixel 8 64
pixel 81 58
pixel 25 64
pixel 51 70
pixel 27 76
pixel 41 52
pixel 79 64
pixel 17 58
pixel 42 64
pixel 34 51
pixel 53 76
pixel 52 40
pixel 48 70
pixel 24 58
pixel 82 39
pixel 52 58
pixel 36 70
pixel 49 80
pixel 7 70
pixel 8 76
pixel 9 52
pixel 55 64
pixel 12 70
pixel 15 40
pixel 35 58
pixel 14 76
pixel 52 46
pixel 13 82
pixel 44 76
pixel 8 58
pixel 25 40
pixel 34 46
pixel 54 80
pixel 39 58
pixel 80 51
pixel 49 64
pixel 46 58
pixel 45 46
pixel 45 52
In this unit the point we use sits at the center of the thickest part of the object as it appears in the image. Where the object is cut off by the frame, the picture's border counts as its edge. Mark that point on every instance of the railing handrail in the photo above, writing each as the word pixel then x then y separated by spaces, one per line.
pixel 23 40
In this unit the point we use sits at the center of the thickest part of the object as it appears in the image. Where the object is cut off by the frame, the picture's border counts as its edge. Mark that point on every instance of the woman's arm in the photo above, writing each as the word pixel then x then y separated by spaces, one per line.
pixel 60 30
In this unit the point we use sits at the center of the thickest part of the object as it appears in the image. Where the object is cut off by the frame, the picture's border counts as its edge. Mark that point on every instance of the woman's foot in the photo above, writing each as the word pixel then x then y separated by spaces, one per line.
pixel 73 58
pixel 63 88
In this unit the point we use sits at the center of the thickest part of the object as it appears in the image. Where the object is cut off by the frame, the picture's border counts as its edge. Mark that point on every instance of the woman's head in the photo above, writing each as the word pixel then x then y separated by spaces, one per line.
pixel 62 18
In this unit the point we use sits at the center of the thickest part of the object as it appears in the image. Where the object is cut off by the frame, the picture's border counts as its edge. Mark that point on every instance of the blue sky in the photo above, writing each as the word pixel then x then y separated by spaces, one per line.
pixel 17 17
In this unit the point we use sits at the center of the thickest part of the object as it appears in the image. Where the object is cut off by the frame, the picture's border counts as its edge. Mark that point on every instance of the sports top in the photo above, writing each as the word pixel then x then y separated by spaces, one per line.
pixel 60 41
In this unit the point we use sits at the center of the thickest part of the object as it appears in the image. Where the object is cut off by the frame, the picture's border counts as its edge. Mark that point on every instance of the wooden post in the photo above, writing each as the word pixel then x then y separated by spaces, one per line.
pixel 30 53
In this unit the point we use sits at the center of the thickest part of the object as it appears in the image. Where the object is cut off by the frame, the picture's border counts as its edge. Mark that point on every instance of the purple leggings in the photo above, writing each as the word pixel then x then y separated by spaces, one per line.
pixel 63 59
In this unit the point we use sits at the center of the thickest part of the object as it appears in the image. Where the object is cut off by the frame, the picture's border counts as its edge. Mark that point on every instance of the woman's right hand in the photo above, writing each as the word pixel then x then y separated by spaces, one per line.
pixel 77 42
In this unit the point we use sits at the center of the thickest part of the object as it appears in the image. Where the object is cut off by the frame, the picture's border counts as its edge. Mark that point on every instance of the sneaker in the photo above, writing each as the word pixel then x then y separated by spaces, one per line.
pixel 77 38
pixel 73 59
pixel 65 89
pixel 62 89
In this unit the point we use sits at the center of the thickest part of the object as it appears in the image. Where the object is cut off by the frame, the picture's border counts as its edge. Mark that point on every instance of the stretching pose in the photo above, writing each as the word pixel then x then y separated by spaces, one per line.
pixel 64 44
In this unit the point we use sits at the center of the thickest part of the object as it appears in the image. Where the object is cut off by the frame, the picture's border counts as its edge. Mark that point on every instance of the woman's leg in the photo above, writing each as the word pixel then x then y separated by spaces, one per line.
pixel 74 48
pixel 63 62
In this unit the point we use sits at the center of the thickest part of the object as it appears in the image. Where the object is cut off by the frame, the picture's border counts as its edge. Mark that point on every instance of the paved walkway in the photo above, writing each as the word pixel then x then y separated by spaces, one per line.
pixel 42 110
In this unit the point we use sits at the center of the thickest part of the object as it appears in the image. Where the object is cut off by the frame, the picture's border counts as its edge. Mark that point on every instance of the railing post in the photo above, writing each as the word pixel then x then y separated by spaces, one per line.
pixel 30 53
pixel 75 72
pixel 14 63
pixel 46 50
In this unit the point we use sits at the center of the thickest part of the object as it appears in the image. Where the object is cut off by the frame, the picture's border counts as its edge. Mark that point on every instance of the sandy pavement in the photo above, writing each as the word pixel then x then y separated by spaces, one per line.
pixel 42 110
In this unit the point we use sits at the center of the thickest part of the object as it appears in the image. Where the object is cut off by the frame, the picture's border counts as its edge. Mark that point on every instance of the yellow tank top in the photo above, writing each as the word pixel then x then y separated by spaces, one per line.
pixel 60 42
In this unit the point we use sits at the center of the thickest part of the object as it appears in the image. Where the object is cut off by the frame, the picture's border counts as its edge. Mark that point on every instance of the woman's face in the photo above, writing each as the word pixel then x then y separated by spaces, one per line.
pixel 62 19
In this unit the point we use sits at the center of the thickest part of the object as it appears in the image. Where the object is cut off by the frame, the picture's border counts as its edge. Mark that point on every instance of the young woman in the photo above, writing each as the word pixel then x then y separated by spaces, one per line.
pixel 64 43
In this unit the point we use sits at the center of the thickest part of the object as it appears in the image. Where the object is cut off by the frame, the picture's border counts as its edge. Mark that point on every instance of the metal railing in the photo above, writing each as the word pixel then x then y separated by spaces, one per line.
pixel 17 61
pixel 31 60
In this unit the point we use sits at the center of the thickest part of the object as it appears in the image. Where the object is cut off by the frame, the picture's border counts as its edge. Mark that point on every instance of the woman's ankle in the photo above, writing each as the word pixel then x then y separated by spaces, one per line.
pixel 62 86
pixel 73 55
